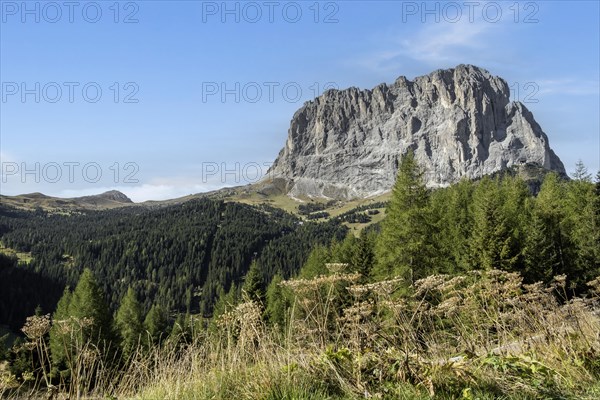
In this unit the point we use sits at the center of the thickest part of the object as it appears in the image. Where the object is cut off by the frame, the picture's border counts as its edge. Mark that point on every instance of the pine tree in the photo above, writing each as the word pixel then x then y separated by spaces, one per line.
pixel 226 302
pixel 550 208
pixel 540 257
pixel 595 225
pixel 128 322
pixel 492 241
pixel 582 227
pixel 156 324
pixel 341 252
pixel 364 254
pixel 278 302
pixel 315 265
pixel 253 283
pixel 515 194
pixel 87 303
pixel 404 247
pixel 581 172
pixel 81 318
pixel 60 339
pixel 452 215
pixel 182 331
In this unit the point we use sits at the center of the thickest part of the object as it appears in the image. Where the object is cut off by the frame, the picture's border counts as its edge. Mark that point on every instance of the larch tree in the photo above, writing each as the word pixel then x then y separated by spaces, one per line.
pixel 491 243
pixel 253 283
pixel 405 245
pixel 60 338
pixel 128 323
pixel 87 302
pixel 156 324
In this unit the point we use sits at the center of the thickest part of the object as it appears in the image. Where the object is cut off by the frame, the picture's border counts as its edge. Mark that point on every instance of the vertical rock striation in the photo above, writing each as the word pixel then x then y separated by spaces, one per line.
pixel 459 122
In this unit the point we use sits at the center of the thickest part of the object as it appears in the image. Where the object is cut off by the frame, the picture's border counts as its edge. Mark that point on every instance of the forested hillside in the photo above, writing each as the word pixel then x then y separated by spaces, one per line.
pixel 179 257
pixel 496 222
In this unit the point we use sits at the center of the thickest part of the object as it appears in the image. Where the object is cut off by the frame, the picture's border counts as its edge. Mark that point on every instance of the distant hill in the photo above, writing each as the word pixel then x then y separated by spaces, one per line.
pixel 107 200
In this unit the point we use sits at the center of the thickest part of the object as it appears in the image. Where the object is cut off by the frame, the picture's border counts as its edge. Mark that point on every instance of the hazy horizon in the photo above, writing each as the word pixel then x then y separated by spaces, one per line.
pixel 150 97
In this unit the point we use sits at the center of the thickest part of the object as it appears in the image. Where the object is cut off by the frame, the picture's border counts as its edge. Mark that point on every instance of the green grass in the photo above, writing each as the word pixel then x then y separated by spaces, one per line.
pixel 21 256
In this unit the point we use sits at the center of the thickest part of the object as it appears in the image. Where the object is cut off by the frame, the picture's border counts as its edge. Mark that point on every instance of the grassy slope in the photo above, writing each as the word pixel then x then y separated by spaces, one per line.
pixel 21 256
pixel 451 339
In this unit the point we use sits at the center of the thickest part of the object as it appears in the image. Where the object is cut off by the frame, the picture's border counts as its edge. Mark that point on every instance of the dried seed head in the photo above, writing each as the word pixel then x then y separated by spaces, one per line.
pixel 36 326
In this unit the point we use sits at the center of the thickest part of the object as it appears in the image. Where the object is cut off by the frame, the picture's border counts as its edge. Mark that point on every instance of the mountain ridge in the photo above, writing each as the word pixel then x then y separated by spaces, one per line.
pixel 106 200
pixel 460 123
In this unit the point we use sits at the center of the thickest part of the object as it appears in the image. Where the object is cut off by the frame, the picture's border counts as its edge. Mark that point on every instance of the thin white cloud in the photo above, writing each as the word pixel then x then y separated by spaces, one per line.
pixel 433 44
pixel 164 188
pixel 443 43
pixel 568 86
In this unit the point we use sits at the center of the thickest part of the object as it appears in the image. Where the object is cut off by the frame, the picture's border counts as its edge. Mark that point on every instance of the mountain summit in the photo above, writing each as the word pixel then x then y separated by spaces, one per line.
pixel 111 195
pixel 459 122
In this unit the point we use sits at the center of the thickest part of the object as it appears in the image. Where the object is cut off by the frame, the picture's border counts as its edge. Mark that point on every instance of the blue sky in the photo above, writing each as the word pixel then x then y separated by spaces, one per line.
pixel 197 95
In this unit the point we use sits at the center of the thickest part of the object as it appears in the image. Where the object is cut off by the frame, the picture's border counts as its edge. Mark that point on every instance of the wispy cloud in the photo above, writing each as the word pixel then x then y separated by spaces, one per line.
pixel 432 44
pixel 568 86
pixel 442 43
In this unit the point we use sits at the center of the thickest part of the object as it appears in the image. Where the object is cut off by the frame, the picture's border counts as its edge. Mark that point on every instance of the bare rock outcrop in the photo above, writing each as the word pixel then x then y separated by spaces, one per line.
pixel 459 122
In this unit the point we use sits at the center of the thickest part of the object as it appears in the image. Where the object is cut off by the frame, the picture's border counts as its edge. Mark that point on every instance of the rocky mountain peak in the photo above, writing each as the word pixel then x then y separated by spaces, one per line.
pixel 115 195
pixel 459 122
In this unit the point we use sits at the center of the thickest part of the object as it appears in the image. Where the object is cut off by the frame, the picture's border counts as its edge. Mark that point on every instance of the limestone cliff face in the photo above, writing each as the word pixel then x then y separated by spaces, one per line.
pixel 459 122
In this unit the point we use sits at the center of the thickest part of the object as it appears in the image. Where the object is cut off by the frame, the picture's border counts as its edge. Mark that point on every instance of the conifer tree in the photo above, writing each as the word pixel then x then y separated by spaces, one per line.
pixel 540 257
pixel 596 207
pixel 364 254
pixel 88 302
pixel 60 339
pixel 253 283
pixel 315 265
pixel 453 219
pixel 492 244
pixel 277 302
pixel 405 246
pixel 581 172
pixel 341 252
pixel 128 322
pixel 156 324
pixel 515 194
pixel 548 219
pixel 226 301
pixel 580 223
pixel 81 318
